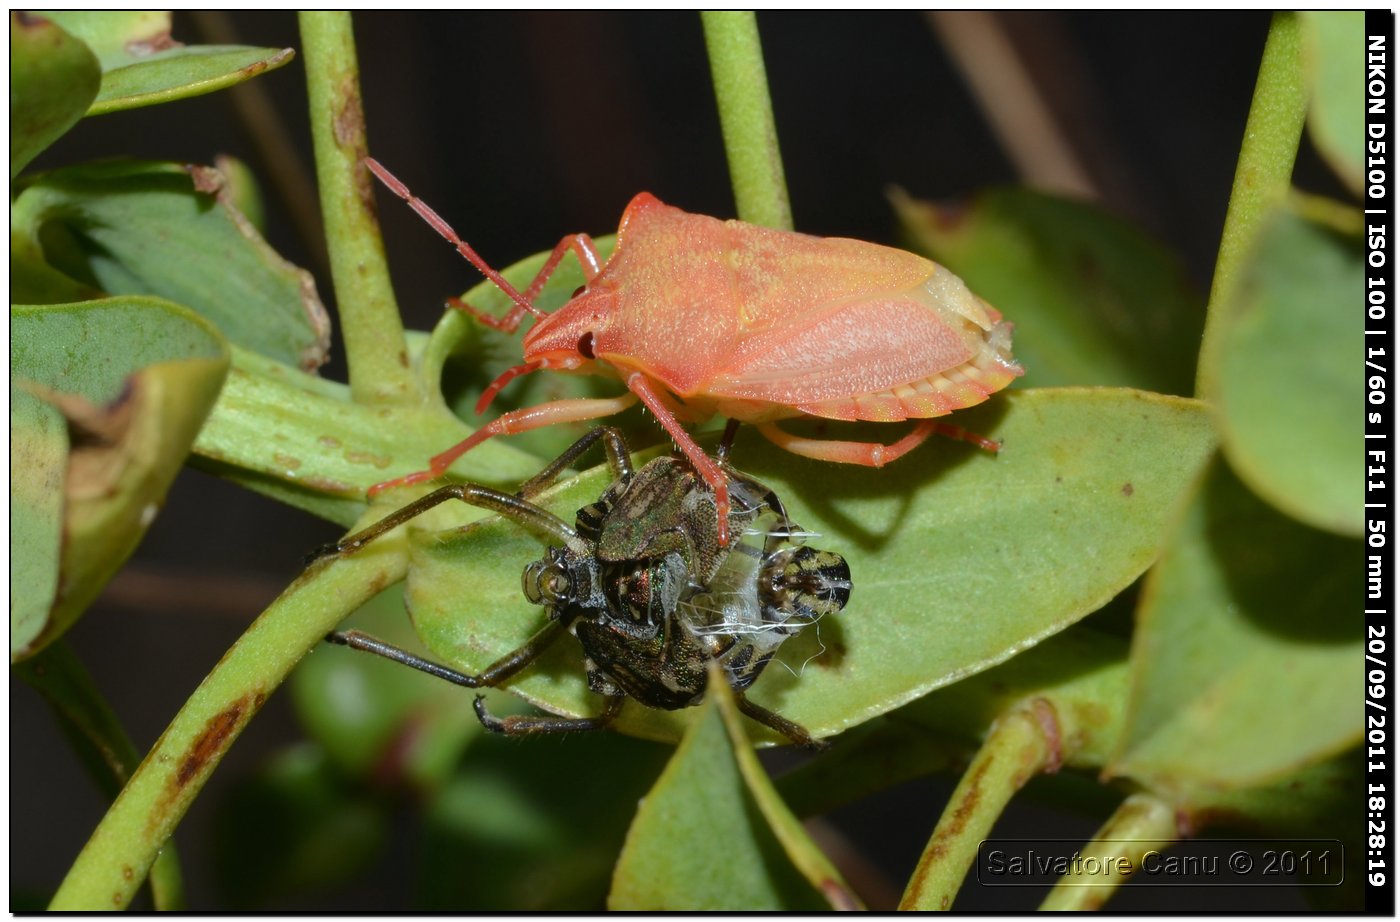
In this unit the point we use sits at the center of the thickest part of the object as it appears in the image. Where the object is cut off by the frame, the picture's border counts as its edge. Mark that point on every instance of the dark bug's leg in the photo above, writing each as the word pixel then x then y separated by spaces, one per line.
pixel 619 460
pixel 795 732
pixel 492 675
pixel 539 522
pixel 726 441
pixel 525 725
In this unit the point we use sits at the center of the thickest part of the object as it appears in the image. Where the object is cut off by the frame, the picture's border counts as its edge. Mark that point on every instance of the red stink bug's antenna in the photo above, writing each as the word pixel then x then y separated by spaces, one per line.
pixel 442 227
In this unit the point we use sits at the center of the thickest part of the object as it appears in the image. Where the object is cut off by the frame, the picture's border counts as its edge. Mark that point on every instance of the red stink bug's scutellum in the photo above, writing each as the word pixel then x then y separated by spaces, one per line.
pixel 699 316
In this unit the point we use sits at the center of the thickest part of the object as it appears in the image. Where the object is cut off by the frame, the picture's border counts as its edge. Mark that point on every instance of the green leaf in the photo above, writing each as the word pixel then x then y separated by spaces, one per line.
pixel 53 79
pixel 38 456
pixel 295 825
pixel 142 65
pixel 959 559
pixel 700 841
pixel 512 831
pixel 1283 367
pixel 801 850
pixel 135 378
pixel 136 227
pixel 1333 45
pixel 1243 661
pixel 1094 300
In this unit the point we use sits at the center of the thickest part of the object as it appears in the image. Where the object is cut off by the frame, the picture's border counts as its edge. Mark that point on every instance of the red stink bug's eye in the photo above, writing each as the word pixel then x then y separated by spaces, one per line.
pixel 578 291
pixel 585 345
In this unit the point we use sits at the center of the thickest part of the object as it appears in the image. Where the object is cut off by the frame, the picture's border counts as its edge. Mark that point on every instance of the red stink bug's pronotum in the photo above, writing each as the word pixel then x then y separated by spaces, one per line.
pixel 699 316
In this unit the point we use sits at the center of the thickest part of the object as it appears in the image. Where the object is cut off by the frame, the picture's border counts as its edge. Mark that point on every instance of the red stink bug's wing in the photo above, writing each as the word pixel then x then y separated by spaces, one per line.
pixel 927 351
pixel 781 277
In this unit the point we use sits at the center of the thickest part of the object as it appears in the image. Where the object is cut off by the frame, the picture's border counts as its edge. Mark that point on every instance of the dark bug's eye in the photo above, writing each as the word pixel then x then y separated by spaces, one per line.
pixel 578 291
pixel 585 345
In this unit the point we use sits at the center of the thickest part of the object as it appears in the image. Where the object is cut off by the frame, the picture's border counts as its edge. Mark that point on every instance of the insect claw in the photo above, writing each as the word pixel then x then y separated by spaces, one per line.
pixel 488 720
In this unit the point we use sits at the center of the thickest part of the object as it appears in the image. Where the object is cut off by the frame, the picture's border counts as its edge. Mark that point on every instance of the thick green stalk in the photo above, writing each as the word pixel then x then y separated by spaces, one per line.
pixel 131 835
pixel 1264 173
pixel 100 743
pixel 1016 749
pixel 375 348
pixel 746 118
pixel 1141 824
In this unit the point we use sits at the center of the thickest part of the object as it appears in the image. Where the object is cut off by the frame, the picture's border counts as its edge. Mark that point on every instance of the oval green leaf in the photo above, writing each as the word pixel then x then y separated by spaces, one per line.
pixel 1094 300
pixel 1244 663
pixel 700 842
pixel 136 227
pixel 53 80
pixel 143 66
pixel 135 378
pixel 1282 367
pixel 1333 46
pixel 959 559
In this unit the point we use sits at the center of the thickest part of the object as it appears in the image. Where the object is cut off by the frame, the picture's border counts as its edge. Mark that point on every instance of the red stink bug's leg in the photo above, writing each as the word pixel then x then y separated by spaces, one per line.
pixel 962 435
pixel 507 323
pixel 870 454
pixel 588 258
pixel 504 378
pixel 867 454
pixel 708 470
pixel 522 304
pixel 546 414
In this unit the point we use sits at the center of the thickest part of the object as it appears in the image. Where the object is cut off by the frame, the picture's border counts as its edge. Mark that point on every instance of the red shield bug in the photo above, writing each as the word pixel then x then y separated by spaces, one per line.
pixel 699 316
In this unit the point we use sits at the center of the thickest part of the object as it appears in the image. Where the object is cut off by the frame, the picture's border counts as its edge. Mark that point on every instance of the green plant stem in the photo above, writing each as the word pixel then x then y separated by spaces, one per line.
pixel 101 744
pixel 145 814
pixel 1264 172
pixel 375 348
pixel 746 118
pixel 801 850
pixel 1016 749
pixel 1141 824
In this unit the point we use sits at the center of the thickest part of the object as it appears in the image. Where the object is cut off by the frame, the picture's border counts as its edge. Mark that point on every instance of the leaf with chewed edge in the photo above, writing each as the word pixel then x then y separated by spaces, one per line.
pixel 134 379
pixel 132 227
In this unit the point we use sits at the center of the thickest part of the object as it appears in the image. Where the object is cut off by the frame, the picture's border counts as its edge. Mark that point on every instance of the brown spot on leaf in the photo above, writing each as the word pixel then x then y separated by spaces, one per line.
pixel 1128 488
pixel 366 457
pixel 328 441
pixel 127 872
pixel 148 45
pixel 286 461
pixel 118 899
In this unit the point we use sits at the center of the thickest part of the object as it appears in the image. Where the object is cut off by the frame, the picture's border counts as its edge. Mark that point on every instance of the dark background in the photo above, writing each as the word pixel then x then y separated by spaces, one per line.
pixel 521 127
